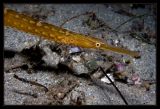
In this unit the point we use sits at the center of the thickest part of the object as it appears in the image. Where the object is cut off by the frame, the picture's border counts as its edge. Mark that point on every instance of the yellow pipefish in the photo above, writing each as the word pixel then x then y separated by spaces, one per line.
pixel 57 34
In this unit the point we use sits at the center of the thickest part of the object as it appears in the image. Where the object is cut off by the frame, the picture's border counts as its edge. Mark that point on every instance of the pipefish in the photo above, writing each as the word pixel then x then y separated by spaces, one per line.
pixel 51 32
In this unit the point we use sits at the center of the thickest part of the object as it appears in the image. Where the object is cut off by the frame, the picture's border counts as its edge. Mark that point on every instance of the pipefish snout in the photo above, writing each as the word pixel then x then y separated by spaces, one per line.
pixel 134 54
pixel 33 26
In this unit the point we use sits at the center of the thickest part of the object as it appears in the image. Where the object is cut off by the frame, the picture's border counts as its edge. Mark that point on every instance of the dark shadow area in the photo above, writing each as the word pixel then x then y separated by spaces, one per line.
pixel 34 56
pixel 9 53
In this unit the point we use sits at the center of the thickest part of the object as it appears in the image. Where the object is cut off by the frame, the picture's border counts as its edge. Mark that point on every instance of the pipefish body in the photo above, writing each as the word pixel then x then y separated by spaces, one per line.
pixel 51 32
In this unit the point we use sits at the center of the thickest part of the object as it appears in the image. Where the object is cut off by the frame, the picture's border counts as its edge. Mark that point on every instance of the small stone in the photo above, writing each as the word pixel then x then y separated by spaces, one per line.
pixel 60 95
pixel 91 65
pixel 86 56
pixel 97 75
pixel 78 81
pixel 121 75
pixel 62 59
pixel 79 68
pixel 116 42
pixel 76 58
pixel 51 58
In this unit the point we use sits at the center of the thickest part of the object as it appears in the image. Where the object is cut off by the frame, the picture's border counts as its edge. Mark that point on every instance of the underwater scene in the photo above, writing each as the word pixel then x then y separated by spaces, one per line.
pixel 80 54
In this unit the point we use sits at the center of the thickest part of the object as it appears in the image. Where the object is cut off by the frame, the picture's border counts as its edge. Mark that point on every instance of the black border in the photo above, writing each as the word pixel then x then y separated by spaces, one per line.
pixel 80 1
pixel 1 47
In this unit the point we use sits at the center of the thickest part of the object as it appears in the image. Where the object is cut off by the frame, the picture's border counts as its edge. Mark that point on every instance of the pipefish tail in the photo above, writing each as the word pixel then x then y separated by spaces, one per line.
pixel 51 32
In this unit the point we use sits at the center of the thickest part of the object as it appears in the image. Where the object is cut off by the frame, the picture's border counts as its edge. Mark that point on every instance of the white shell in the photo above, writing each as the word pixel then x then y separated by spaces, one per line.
pixel 104 79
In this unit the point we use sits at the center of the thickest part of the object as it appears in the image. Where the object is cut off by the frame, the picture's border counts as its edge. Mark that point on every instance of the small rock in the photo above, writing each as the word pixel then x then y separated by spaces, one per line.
pixel 76 58
pixel 121 75
pixel 51 58
pixel 62 59
pixel 97 75
pixel 60 95
pixel 116 42
pixel 79 68
pixel 87 56
pixel 77 98
pixel 91 65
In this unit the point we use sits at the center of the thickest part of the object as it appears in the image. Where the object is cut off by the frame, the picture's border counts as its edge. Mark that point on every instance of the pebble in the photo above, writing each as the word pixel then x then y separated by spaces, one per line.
pixel 97 75
pixel 116 42
pixel 51 58
pixel 62 59
pixel 79 68
pixel 122 75
pixel 91 65
pixel 60 95
pixel 76 58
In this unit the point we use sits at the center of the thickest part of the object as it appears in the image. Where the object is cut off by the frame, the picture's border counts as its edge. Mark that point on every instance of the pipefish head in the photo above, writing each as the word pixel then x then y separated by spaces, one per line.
pixel 104 46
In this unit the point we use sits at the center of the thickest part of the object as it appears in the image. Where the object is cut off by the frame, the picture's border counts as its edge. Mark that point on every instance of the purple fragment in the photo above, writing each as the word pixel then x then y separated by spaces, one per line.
pixel 120 67
pixel 74 50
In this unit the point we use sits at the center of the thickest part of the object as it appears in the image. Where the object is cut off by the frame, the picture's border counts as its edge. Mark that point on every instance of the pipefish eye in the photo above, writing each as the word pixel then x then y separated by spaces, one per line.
pixel 98 45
